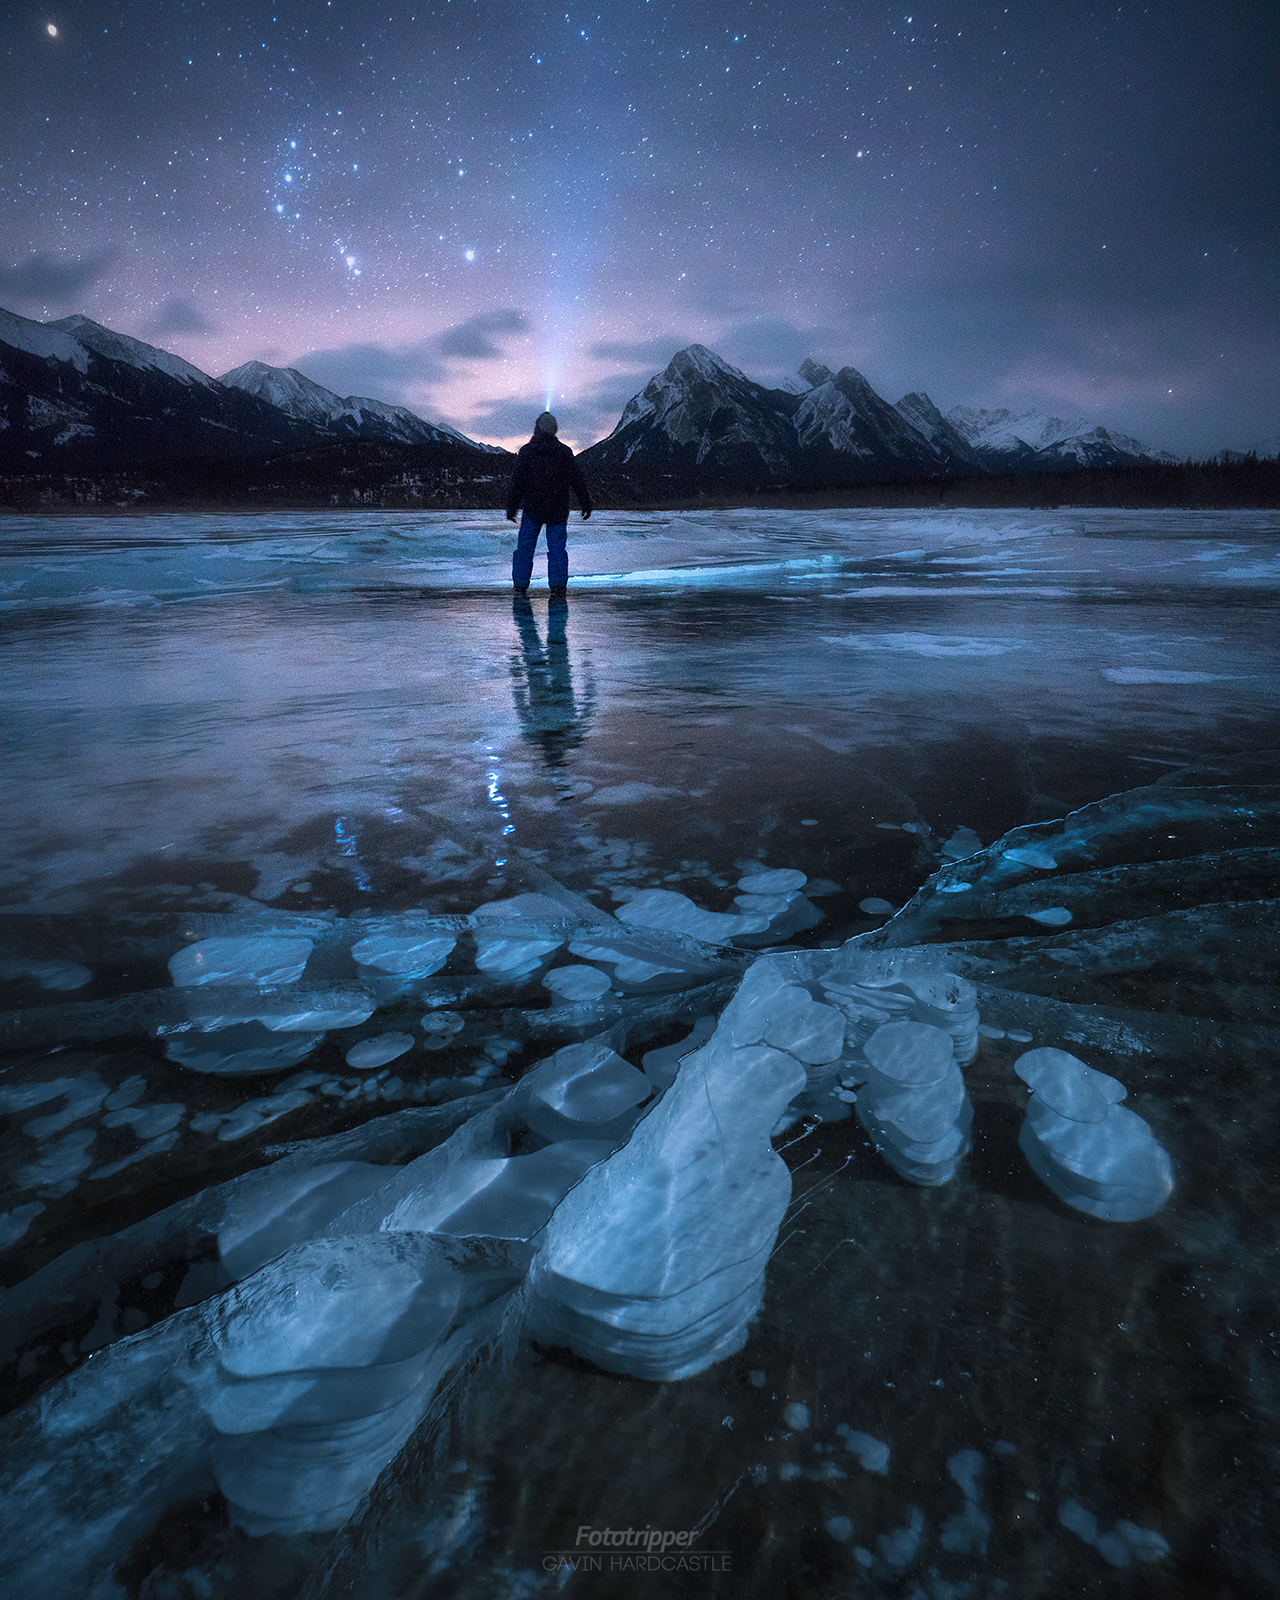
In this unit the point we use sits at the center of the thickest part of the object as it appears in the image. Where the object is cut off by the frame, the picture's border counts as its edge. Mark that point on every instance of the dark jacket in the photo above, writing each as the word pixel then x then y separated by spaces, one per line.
pixel 544 473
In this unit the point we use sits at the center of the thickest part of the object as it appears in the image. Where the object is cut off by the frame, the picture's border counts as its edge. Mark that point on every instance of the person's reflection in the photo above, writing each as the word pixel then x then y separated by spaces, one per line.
pixel 542 684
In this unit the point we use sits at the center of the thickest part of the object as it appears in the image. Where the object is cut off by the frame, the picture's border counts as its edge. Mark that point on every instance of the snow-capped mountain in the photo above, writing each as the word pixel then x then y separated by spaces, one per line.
pixel 132 352
pixel 842 424
pixel 353 417
pixel 702 420
pixel 75 395
pixel 957 454
pixel 1008 441
pixel 703 424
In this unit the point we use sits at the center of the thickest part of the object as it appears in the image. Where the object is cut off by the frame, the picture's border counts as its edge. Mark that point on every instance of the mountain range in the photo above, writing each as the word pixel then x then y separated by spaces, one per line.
pixel 704 425
pixel 77 398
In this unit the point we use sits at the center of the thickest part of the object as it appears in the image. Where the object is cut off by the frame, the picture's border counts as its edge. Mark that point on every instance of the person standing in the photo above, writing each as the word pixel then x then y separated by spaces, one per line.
pixel 545 472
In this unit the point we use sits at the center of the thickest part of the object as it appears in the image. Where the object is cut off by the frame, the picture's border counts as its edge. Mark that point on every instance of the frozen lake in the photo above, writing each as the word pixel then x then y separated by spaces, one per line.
pixel 261 703
pixel 319 728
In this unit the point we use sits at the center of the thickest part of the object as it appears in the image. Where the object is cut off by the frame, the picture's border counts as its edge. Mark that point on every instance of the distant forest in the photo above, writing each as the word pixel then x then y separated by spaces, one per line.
pixel 405 478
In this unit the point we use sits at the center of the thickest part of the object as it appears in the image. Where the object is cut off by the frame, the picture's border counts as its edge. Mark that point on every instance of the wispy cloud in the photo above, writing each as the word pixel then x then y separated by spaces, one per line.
pixel 179 316
pixel 46 279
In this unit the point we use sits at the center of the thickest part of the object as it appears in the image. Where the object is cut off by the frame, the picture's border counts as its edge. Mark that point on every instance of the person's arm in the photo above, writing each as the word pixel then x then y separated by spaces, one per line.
pixel 579 484
pixel 516 490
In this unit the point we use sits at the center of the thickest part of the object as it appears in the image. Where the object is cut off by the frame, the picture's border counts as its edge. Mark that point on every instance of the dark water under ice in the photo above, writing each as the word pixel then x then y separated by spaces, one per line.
pixel 222 723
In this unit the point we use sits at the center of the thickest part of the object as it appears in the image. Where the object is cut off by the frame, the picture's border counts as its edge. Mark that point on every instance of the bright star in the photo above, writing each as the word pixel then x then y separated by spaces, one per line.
pixel 51 30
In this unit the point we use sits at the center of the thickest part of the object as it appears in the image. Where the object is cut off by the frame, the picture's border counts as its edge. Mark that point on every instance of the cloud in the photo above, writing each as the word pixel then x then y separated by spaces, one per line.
pixel 470 340
pixel 376 370
pixel 179 316
pixel 46 278
pixel 397 372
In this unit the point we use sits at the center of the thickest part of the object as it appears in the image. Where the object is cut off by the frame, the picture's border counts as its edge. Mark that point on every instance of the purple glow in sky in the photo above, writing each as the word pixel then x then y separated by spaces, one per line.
pixel 476 207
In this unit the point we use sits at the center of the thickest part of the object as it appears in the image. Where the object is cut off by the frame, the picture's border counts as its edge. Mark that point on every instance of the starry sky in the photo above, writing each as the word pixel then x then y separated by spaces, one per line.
pixel 471 206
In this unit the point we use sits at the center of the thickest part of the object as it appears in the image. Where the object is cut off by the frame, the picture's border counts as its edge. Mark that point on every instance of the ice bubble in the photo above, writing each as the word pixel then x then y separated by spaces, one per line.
pixel 655 1262
pixel 964 1469
pixel 511 957
pixel 899 1546
pixel 967 1532
pixel 1113 1549
pixel 988 1030
pixel 1030 856
pixel 963 842
pixel 1020 1035
pixel 376 1052
pixel 1144 1543
pixel 1073 1516
pixel 255 958
pixel 441 1028
pixel 796 1416
pixel 403 955
pixel 320 1012
pixel 584 1089
pixel 910 1052
pixel 956 886
pixel 839 1528
pixel 14 1224
pixel 244 1049
pixel 875 907
pixel 669 912
pixel 256 1114
pixel 147 1122
pixel 756 1378
pixel 60 975
pixel 872 1454
pixel 1066 1085
pixel 1112 1169
pixel 1051 916
pixel 577 984
pixel 762 905
pixel 130 1090
pixel 779 881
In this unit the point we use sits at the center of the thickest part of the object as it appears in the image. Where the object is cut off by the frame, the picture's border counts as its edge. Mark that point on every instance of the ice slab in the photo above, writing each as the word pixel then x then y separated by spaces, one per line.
pixel 279 1211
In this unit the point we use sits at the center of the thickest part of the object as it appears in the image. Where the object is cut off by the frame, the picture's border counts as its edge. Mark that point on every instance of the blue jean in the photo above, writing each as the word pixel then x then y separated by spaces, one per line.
pixel 527 543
